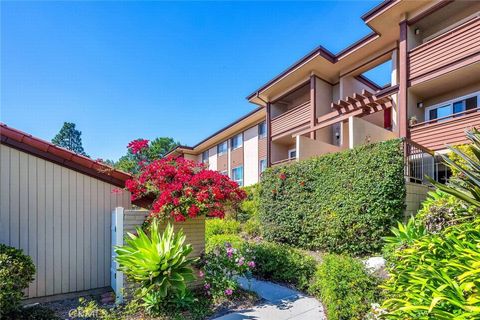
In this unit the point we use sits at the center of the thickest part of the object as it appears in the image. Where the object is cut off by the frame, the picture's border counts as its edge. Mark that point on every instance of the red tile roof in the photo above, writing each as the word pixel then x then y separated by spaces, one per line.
pixel 48 151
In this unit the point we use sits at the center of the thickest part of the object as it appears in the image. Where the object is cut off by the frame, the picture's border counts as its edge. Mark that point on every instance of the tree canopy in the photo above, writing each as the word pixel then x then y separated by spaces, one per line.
pixel 70 138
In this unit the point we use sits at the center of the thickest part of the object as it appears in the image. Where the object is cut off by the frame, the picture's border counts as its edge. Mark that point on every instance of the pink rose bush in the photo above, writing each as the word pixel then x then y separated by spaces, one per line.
pixel 223 266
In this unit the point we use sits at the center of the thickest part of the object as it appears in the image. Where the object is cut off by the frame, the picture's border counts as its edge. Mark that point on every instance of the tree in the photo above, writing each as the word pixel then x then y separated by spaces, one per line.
pixel 147 152
pixel 70 138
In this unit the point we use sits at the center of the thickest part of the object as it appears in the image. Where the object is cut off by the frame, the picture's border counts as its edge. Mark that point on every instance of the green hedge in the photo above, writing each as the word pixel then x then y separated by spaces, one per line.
pixel 282 264
pixel 345 287
pixel 341 202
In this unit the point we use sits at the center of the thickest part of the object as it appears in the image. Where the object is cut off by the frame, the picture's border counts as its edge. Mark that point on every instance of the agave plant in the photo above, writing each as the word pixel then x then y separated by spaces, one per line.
pixel 405 234
pixel 159 263
pixel 468 187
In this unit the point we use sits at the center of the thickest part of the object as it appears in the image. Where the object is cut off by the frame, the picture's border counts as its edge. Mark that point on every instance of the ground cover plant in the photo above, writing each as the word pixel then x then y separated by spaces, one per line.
pixel 313 204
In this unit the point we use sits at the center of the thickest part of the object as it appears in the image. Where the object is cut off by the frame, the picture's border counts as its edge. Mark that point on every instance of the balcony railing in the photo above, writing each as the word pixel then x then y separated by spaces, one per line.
pixel 284 161
pixel 449 130
pixel 452 49
pixel 419 162
pixel 293 120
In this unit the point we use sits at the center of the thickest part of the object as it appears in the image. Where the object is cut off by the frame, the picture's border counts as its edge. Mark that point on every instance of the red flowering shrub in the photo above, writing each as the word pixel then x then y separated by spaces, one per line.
pixel 184 188
pixel 137 145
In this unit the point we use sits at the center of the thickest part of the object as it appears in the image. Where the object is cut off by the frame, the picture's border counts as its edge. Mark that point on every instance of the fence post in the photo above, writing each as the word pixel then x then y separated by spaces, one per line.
pixel 116 276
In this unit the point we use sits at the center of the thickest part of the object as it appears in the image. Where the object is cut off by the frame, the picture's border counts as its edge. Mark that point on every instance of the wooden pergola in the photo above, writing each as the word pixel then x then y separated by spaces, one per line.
pixel 358 105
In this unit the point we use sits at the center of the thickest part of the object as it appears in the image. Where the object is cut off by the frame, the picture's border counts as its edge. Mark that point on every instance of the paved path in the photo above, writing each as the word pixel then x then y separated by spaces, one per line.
pixel 280 303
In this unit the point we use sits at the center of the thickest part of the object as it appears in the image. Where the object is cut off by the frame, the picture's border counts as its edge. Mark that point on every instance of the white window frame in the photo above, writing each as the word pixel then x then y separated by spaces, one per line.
pixel 240 181
pixel 260 165
pixel 450 103
pixel 226 148
pixel 224 172
pixel 206 159
pixel 262 135
pixel 290 151
pixel 239 136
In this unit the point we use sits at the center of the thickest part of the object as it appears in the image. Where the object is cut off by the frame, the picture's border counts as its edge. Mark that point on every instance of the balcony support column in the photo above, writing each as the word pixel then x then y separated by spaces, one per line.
pixel 403 80
pixel 313 105
pixel 269 135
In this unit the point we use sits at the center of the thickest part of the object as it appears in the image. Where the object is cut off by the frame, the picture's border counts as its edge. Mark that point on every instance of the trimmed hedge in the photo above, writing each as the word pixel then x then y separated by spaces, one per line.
pixel 345 287
pixel 282 264
pixel 341 202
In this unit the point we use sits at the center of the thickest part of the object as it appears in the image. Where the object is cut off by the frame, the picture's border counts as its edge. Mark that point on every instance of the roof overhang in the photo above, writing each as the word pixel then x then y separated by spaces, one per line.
pixel 383 20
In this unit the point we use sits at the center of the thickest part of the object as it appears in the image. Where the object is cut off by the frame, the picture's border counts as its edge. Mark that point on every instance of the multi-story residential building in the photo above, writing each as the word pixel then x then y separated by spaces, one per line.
pixel 239 150
pixel 325 102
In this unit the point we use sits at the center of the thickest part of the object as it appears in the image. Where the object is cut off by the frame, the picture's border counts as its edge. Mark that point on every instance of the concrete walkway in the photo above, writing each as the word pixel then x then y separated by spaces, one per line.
pixel 280 303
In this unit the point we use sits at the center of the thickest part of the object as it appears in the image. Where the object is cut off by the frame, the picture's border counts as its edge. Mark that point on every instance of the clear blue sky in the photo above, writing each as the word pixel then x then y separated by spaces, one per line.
pixel 124 70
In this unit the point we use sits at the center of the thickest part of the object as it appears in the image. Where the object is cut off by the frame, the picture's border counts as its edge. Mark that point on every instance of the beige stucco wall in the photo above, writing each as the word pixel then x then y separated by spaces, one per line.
pixel 250 154
pixel 362 132
pixel 307 148
pixel 349 85
pixel 416 194
pixel 59 217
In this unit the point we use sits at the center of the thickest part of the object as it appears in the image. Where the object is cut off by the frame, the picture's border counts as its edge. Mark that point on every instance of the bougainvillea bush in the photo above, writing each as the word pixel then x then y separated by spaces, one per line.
pixel 183 188
pixel 222 267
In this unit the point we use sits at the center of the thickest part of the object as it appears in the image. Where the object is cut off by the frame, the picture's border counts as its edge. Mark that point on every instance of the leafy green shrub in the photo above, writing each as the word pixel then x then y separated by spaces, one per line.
pixel 217 226
pixel 220 239
pixel 403 236
pixel 441 210
pixel 345 287
pixel 252 227
pixel 341 202
pixel 16 272
pixel 221 268
pixel 437 277
pixel 35 312
pixel 466 165
pixel 159 263
pixel 282 263
pixel 250 206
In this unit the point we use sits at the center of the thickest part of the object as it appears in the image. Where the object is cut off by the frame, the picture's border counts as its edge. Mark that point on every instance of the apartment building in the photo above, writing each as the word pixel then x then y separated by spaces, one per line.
pixel 239 150
pixel 325 102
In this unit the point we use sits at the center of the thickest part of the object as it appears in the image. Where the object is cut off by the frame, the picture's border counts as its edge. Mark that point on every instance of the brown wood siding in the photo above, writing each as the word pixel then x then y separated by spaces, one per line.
pixel 236 157
pixel 450 48
pixel 436 136
pixel 59 217
pixel 222 162
pixel 290 120
pixel 262 148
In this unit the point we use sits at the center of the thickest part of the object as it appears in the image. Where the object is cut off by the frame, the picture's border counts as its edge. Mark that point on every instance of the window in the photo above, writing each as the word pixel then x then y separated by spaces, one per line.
pixel 237 141
pixel 263 165
pixel 292 153
pixel 225 173
pixel 262 130
pixel 205 156
pixel 444 110
pixel 222 148
pixel 237 175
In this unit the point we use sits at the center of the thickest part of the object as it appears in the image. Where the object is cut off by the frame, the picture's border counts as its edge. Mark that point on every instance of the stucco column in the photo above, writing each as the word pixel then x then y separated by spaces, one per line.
pixel 269 135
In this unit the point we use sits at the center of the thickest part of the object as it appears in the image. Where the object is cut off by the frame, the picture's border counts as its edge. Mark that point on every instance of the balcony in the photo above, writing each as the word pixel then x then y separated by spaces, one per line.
pixel 293 120
pixel 449 51
pixel 450 130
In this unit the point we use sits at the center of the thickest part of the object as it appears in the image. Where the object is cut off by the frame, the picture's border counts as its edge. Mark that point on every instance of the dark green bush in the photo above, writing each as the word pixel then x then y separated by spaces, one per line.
pixel 282 263
pixel 342 202
pixel 16 272
pixel 36 312
pixel 345 287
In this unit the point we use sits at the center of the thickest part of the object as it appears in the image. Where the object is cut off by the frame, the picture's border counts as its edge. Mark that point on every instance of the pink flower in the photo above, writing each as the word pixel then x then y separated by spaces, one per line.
pixel 229 252
pixel 229 292
pixel 251 264
pixel 201 274
pixel 206 286
pixel 240 262
pixel 137 145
